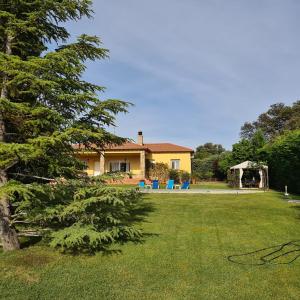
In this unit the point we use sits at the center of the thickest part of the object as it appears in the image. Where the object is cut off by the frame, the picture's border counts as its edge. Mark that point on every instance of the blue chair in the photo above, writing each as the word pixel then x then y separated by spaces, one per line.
pixel 155 184
pixel 185 185
pixel 170 184
pixel 142 184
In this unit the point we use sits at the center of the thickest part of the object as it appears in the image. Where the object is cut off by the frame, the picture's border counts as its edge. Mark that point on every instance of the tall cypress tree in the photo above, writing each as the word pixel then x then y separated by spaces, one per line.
pixel 45 105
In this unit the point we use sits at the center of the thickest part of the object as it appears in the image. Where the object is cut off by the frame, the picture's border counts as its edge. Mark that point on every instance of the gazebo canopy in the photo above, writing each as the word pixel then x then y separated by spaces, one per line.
pixel 262 170
pixel 249 165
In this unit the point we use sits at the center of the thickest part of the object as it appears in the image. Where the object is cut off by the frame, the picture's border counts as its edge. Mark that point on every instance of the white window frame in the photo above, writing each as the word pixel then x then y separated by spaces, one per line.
pixel 119 162
pixel 177 164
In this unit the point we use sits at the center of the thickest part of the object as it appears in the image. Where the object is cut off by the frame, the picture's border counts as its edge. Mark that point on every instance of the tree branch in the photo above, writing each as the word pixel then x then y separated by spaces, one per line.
pixel 32 176
pixel 11 165
pixel 29 234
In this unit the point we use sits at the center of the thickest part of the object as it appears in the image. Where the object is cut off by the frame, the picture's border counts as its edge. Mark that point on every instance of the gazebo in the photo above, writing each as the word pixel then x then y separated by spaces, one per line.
pixel 239 169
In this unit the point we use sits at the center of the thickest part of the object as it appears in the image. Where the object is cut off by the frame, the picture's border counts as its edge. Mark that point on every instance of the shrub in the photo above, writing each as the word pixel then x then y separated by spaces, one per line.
pixel 233 178
pixel 184 176
pixel 159 171
pixel 204 168
pixel 283 157
pixel 174 175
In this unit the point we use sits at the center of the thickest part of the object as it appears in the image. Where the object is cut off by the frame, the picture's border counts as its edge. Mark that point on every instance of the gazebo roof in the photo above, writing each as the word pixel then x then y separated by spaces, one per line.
pixel 249 165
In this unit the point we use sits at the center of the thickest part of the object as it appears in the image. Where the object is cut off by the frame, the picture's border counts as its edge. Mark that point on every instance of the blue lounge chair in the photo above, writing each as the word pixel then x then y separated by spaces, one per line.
pixel 170 184
pixel 142 184
pixel 185 185
pixel 155 184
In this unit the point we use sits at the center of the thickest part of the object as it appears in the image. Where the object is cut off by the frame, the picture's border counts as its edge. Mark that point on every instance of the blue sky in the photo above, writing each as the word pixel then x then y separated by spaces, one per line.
pixel 196 70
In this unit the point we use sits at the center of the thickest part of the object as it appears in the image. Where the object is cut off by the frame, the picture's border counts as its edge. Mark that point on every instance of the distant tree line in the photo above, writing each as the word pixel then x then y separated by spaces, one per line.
pixel 274 138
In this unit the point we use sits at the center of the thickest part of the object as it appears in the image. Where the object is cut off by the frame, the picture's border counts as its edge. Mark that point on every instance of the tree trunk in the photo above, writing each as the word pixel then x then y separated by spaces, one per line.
pixel 8 234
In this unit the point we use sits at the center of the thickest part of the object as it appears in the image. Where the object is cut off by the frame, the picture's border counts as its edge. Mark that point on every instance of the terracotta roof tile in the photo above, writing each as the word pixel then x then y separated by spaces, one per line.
pixel 127 146
pixel 167 147
pixel 156 147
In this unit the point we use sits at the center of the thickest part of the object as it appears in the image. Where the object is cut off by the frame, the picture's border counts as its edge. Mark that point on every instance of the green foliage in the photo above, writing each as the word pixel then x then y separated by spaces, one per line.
pixel 233 178
pixel 48 106
pixel 206 162
pixel 45 108
pixel 283 157
pixel 204 168
pixel 174 175
pixel 77 215
pixel 248 149
pixel 274 122
pixel 225 163
pixel 184 176
pixel 207 150
pixel 159 171
pixel 214 166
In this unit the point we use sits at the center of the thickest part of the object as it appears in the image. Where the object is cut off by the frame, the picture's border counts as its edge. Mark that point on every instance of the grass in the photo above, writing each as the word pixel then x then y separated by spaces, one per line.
pixel 202 185
pixel 185 257
pixel 211 185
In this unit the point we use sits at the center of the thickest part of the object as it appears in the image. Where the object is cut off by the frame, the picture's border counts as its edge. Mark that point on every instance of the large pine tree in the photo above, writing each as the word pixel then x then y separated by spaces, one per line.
pixel 45 107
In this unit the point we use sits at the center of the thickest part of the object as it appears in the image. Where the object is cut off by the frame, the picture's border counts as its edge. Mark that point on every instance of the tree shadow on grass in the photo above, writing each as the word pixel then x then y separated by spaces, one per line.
pixel 27 242
pixel 140 213
pixel 137 215
pixel 282 254
pixel 111 252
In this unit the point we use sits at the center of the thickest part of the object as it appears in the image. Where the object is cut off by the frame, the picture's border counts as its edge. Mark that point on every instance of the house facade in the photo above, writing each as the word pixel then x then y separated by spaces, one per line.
pixel 131 157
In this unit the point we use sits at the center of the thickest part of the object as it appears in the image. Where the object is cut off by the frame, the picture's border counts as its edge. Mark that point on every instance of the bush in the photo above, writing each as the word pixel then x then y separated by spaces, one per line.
pixel 158 171
pixel 283 157
pixel 184 176
pixel 225 162
pixel 233 178
pixel 174 175
pixel 203 169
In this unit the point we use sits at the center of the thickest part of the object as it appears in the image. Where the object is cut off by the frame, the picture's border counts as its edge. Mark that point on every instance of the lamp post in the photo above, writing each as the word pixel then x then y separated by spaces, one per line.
pixel 286 193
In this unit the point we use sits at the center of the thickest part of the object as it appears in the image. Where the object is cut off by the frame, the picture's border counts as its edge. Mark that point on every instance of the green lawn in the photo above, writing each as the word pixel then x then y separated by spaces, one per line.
pixel 202 185
pixel 211 185
pixel 183 257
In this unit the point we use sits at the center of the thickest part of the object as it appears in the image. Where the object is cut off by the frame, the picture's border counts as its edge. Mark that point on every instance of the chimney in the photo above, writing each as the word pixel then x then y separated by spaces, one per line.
pixel 140 139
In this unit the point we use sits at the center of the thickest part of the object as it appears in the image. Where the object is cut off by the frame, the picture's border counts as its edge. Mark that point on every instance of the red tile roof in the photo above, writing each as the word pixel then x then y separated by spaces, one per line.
pixel 167 147
pixel 127 146
pixel 157 147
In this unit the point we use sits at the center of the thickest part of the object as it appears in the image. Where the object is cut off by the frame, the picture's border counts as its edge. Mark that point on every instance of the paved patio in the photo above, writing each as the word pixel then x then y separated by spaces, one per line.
pixel 200 191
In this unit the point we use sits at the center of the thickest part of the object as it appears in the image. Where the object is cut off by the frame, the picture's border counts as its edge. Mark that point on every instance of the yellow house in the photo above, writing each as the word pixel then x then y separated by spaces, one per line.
pixel 131 157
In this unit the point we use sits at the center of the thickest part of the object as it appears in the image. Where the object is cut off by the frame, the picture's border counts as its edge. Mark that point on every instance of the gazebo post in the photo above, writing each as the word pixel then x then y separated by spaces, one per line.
pixel 241 171
pixel 267 181
pixel 260 171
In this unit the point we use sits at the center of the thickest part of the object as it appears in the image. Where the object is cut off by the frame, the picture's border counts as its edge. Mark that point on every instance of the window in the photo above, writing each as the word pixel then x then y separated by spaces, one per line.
pixel 119 166
pixel 86 164
pixel 124 167
pixel 114 167
pixel 175 164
